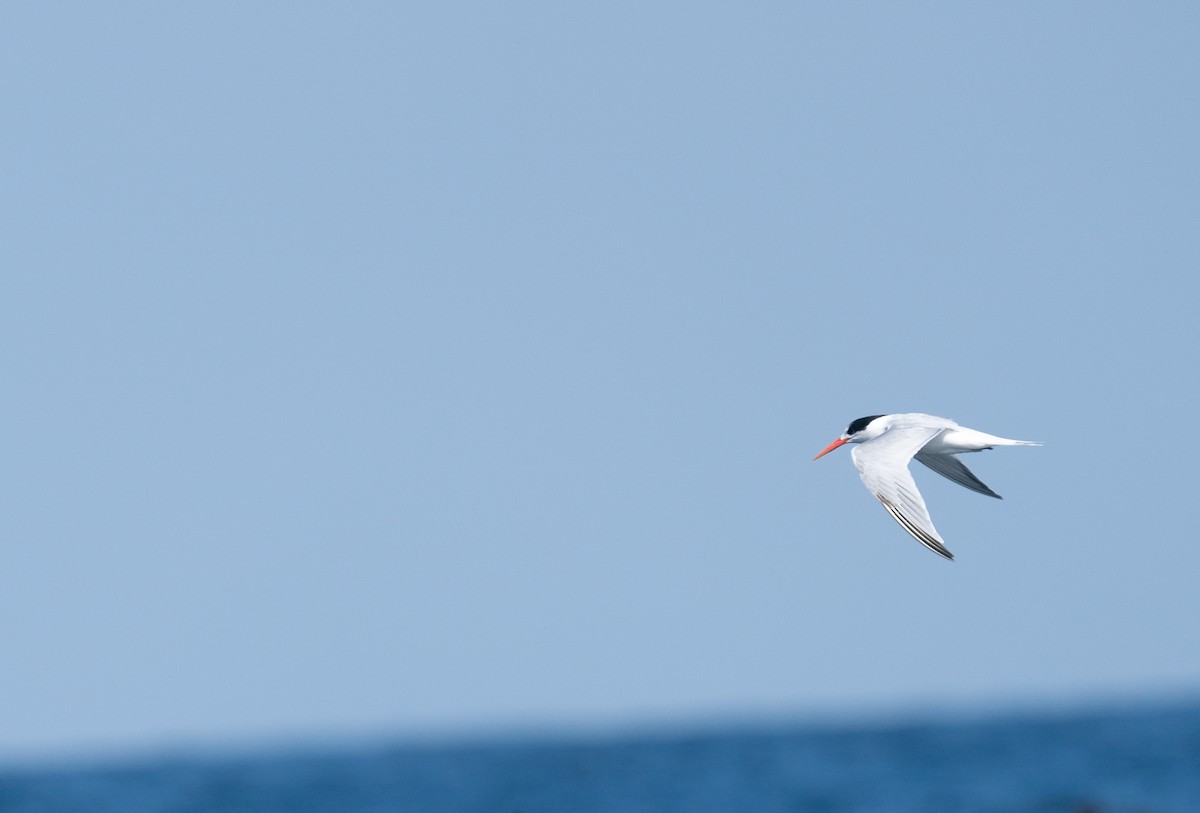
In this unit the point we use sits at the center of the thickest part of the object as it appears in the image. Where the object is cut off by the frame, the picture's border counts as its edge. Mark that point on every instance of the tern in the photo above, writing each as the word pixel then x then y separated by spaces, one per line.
pixel 885 443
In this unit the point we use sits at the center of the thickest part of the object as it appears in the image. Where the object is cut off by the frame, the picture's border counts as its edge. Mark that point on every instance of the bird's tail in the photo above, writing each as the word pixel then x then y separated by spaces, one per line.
pixel 971 437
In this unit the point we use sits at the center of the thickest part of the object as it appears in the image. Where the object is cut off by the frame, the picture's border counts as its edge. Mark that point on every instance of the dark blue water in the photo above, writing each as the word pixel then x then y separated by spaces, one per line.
pixel 1144 761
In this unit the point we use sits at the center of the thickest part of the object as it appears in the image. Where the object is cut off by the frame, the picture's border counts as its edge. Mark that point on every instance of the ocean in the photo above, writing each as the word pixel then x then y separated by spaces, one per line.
pixel 1104 761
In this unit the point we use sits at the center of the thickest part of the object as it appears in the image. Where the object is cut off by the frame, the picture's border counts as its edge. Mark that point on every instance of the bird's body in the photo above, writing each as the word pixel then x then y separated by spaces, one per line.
pixel 884 444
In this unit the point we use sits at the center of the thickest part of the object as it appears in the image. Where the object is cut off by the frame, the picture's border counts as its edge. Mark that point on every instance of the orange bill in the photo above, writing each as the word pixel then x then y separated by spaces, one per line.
pixel 831 447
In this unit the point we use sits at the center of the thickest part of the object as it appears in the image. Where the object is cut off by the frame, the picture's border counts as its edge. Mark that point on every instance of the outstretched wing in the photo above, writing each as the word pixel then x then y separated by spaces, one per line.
pixel 882 464
pixel 952 468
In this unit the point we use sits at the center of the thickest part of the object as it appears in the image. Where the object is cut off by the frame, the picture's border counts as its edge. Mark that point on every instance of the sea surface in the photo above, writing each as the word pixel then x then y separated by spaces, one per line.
pixel 1113 761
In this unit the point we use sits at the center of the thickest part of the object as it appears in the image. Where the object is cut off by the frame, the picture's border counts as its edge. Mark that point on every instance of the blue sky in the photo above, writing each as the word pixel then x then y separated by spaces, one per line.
pixel 409 369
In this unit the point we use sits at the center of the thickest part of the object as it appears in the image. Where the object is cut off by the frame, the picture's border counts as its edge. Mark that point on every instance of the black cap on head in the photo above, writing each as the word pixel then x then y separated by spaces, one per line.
pixel 860 424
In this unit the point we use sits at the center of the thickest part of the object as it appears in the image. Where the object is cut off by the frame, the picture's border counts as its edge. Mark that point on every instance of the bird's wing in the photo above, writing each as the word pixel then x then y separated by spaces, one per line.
pixel 952 468
pixel 882 464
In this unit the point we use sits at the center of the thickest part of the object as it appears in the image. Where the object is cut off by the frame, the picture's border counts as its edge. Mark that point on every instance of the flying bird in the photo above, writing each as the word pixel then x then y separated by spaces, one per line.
pixel 883 445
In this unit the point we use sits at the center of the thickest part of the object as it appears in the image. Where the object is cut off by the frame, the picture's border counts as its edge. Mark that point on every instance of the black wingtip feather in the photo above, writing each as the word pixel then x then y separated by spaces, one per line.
pixel 916 533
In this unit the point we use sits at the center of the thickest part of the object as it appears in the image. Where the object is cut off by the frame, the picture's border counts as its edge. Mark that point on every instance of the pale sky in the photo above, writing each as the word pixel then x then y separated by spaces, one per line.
pixel 398 369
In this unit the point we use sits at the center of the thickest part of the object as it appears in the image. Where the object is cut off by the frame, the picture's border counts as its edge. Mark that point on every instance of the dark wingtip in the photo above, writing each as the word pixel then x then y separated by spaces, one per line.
pixel 941 550
pixel 916 533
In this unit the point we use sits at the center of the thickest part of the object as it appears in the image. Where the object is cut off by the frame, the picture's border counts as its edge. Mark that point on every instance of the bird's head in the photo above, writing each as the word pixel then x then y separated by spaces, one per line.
pixel 858 431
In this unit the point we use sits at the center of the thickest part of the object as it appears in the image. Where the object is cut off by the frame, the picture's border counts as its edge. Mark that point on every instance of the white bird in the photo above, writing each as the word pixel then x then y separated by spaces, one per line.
pixel 885 444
